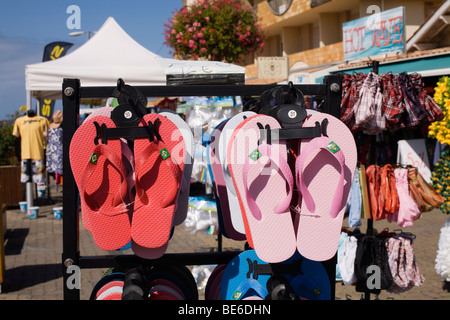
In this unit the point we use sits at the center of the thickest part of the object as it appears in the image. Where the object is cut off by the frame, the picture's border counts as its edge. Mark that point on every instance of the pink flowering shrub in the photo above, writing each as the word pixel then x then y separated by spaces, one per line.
pixel 216 30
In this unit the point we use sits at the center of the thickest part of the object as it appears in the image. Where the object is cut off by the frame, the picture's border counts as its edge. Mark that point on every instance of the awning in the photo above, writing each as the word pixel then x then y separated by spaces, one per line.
pixel 425 65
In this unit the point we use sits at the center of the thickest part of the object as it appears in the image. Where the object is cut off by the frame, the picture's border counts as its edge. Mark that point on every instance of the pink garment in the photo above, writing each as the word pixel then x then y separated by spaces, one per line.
pixel 402 263
pixel 408 210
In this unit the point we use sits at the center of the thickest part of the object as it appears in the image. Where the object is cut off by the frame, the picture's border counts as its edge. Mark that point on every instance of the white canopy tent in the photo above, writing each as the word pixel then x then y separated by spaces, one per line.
pixel 111 54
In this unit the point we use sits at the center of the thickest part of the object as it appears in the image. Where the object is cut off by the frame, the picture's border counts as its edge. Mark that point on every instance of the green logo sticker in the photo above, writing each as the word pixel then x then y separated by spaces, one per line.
pixel 236 295
pixel 164 153
pixel 333 147
pixel 255 155
pixel 93 159
pixel 316 291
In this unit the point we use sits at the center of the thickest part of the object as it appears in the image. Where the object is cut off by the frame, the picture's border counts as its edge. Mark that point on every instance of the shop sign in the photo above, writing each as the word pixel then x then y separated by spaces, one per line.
pixel 272 67
pixel 379 33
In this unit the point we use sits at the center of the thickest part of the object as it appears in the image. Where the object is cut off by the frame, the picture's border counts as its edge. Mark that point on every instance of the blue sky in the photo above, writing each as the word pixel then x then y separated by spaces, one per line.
pixel 26 26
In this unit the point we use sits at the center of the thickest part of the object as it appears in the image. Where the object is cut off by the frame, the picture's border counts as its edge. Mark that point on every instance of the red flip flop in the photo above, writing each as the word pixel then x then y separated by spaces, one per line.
pixel 102 182
pixel 158 171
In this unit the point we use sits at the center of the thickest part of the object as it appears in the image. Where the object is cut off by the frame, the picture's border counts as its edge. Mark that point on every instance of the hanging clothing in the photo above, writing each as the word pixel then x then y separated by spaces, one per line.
pixel 32 171
pixel 373 103
pixel 371 252
pixel 355 202
pixel 364 108
pixel 393 108
pixel 408 210
pixel 346 259
pixel 402 263
pixel 55 150
pixel 32 131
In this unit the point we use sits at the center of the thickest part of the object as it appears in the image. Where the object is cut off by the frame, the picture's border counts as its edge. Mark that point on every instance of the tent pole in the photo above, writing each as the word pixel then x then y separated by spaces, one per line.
pixel 29 184
pixel 28 99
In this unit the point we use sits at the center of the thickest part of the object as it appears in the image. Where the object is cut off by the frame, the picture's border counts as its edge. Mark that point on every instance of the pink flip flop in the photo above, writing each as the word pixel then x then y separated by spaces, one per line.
pixel 264 182
pixel 102 182
pixel 220 186
pixel 324 173
pixel 158 173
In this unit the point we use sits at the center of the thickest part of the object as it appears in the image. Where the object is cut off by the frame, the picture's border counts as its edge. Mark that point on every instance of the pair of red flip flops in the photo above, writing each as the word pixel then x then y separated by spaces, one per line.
pixel 110 211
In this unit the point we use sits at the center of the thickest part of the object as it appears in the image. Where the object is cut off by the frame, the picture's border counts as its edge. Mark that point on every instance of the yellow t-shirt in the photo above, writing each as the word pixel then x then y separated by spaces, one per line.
pixel 32 131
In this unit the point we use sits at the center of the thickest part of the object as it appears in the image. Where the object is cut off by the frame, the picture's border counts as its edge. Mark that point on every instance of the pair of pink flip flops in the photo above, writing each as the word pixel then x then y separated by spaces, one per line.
pixel 275 226
pixel 130 195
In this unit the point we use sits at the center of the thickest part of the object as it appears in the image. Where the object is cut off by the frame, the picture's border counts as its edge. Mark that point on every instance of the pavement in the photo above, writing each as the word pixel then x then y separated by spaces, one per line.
pixel 33 249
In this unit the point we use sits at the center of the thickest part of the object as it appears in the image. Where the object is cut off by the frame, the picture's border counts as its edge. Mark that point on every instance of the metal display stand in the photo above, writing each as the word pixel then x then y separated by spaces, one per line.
pixel 72 91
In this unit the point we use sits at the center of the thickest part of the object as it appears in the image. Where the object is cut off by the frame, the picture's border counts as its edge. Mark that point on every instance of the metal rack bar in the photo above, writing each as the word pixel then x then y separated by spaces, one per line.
pixel 72 92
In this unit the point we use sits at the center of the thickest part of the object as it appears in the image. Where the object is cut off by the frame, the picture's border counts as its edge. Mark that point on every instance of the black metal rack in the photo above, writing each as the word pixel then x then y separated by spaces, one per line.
pixel 72 91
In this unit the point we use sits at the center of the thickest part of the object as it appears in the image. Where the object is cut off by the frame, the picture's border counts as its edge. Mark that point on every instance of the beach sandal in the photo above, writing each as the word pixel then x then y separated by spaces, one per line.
pixel 212 289
pixel 112 279
pixel 188 139
pixel 101 179
pixel 240 280
pixel 220 187
pixel 264 184
pixel 233 201
pixel 158 170
pixel 324 173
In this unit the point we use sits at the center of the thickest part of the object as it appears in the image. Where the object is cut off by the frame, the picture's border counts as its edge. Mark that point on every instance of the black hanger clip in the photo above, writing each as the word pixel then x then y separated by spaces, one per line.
pixel 256 269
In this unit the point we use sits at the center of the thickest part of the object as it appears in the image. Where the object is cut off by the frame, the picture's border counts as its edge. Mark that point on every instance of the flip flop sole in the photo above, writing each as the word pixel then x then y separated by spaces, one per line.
pixel 233 202
pixel 111 230
pixel 152 219
pixel 272 235
pixel 318 235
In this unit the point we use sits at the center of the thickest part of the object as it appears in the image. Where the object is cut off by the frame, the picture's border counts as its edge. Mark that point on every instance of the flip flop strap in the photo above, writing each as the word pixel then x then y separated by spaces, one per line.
pixel 276 162
pixel 243 288
pixel 315 144
pixel 149 155
pixel 116 161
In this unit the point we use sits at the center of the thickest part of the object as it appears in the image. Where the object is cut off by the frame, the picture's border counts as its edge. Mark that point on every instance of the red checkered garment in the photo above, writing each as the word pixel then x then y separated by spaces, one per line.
pixel 434 113
pixel 351 86
pixel 364 109
pixel 415 111
pixel 393 106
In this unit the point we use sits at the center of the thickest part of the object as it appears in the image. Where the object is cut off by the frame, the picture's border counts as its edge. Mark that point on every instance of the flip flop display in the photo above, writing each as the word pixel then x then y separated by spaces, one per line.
pixel 324 172
pixel 264 184
pixel 115 229
pixel 285 196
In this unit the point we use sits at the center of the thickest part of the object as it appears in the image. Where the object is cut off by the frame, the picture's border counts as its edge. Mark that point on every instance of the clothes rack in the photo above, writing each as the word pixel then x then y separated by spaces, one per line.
pixel 330 91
